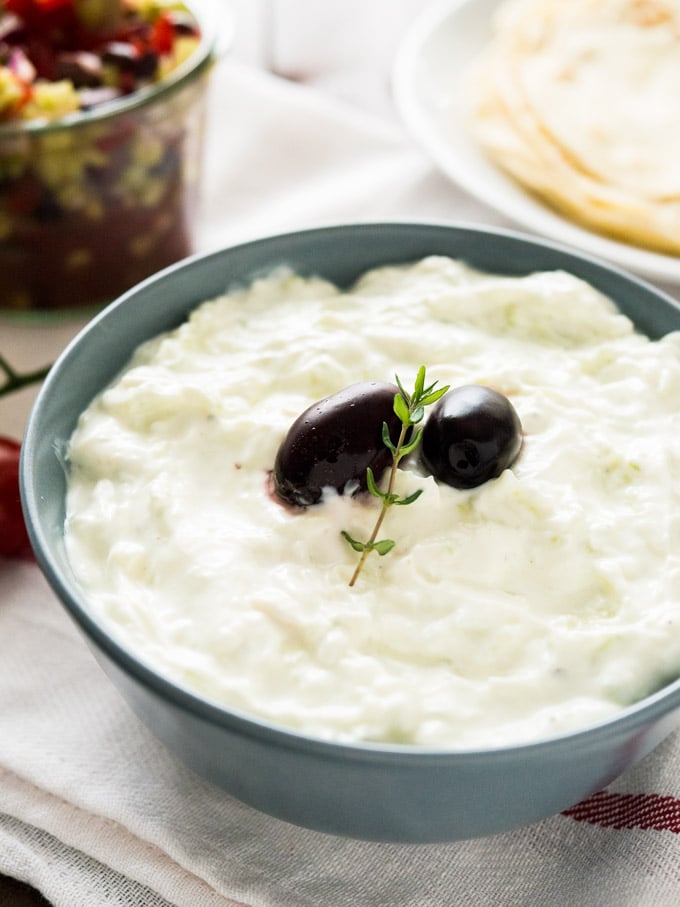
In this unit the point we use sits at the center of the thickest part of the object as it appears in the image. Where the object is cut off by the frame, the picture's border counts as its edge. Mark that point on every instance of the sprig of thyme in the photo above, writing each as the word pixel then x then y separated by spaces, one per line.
pixel 410 409
pixel 14 380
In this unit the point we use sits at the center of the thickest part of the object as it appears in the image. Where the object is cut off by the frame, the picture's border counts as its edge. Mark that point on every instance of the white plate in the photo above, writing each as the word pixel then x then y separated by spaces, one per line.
pixel 427 83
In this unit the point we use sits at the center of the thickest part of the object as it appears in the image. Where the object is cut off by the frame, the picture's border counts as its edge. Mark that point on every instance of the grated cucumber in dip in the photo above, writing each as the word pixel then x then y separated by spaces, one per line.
pixel 539 602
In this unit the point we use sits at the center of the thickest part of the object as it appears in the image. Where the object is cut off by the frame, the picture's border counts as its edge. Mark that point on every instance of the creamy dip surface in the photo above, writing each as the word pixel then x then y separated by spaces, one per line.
pixel 542 601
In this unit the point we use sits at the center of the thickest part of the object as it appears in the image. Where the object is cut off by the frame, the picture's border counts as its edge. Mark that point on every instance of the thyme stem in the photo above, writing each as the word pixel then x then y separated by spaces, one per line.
pixel 383 510
pixel 410 408
pixel 14 380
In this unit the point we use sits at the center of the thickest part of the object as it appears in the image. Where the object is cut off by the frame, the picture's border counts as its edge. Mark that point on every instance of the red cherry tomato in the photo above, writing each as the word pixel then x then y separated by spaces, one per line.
pixel 25 8
pixel 13 536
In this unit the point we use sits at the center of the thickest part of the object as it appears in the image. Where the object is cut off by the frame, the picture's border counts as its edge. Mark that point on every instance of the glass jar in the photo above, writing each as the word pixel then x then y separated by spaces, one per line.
pixel 94 202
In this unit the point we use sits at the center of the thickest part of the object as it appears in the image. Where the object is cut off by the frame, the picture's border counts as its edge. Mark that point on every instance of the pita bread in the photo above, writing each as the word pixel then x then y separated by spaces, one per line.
pixel 579 100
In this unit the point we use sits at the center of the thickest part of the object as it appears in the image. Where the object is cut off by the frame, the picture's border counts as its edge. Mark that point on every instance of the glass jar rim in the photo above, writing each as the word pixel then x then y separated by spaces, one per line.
pixel 196 63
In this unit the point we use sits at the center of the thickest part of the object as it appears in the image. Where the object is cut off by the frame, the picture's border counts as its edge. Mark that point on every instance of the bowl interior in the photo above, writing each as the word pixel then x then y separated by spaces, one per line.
pixel 159 304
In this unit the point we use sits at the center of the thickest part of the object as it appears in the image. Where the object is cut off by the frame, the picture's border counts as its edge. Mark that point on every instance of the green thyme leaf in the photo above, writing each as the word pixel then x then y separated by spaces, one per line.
pixel 384 546
pixel 358 546
pixel 419 383
pixel 412 444
pixel 404 394
pixel 401 409
pixel 372 485
pixel 432 397
pixel 387 441
pixel 410 498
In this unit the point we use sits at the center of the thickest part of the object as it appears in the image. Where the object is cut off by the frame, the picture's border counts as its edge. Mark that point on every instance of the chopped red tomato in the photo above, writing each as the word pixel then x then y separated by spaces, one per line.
pixel 13 536
pixel 27 8
pixel 163 34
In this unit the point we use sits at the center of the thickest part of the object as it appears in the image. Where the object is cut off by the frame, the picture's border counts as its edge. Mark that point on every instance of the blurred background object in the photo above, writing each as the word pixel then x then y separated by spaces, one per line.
pixel 345 49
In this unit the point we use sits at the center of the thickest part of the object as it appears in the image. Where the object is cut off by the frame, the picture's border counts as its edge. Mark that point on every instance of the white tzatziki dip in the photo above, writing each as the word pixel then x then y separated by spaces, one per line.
pixel 541 601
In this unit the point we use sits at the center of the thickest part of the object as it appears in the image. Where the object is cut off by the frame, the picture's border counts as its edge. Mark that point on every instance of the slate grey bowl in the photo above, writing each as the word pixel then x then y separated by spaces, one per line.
pixel 370 791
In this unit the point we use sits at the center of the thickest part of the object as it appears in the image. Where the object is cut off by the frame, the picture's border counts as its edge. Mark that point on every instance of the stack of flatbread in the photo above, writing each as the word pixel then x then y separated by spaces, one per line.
pixel 579 100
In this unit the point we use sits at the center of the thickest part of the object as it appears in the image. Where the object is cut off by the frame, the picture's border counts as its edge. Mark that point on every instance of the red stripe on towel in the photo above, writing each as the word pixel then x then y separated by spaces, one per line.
pixel 611 810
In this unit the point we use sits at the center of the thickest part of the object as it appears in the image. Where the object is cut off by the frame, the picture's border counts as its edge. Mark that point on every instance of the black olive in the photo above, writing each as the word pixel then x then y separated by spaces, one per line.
pixel 472 435
pixel 121 54
pixel 82 68
pixel 334 441
pixel 128 60
pixel 147 64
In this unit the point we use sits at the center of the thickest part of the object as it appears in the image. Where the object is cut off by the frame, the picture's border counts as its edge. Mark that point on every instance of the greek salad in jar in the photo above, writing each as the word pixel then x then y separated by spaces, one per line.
pixel 101 116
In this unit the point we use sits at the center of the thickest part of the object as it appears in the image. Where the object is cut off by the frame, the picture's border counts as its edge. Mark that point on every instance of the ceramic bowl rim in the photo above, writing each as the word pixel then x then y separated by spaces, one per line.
pixel 637 715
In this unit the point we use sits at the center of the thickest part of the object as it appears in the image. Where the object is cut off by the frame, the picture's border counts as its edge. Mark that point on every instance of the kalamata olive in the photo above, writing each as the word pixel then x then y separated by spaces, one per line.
pixel 120 54
pixel 131 63
pixel 334 441
pixel 472 435
pixel 82 68
pixel 147 64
